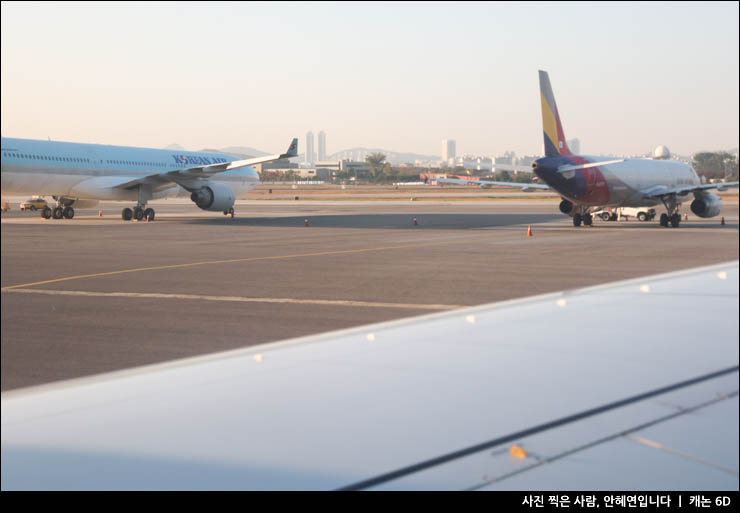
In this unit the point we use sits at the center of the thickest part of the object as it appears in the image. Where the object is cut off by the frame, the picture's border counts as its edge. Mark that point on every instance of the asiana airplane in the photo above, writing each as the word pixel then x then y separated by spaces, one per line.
pixel 589 183
pixel 80 175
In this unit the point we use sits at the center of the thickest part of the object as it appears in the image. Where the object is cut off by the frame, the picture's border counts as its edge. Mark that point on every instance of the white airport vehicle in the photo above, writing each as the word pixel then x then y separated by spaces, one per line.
pixel 540 393
pixel 588 183
pixel 80 175
pixel 624 213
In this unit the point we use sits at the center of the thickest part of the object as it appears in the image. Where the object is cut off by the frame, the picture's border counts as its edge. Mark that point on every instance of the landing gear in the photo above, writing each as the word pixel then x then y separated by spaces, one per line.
pixel 57 213
pixel 138 213
pixel 46 213
pixel 582 216
pixel 672 217
pixel 68 212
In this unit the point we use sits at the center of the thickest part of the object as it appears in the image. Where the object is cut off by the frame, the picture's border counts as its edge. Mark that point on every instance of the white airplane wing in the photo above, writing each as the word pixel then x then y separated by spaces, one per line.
pixel 661 190
pixel 626 386
pixel 192 174
pixel 488 183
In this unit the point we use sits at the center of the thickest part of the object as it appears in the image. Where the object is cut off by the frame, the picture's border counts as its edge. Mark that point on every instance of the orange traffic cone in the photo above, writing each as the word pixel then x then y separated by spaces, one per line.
pixel 305 222
pixel 415 222
pixel 529 230
pixel 100 213
pixel 686 217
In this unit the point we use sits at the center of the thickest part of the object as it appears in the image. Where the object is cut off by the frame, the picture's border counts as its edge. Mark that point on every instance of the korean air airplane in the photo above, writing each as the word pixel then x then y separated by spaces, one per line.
pixel 80 175
pixel 589 183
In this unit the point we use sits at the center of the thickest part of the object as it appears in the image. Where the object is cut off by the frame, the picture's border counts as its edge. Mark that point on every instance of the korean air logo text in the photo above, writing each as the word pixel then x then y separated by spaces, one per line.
pixel 197 160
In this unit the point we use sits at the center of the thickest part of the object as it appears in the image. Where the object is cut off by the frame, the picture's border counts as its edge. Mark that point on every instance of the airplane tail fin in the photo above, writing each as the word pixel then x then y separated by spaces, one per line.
pixel 555 144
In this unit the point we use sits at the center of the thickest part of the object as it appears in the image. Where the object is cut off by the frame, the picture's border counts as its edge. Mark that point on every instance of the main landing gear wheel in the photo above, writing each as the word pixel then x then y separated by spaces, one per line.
pixel 57 213
pixel 675 220
pixel 46 212
pixel 149 214
pixel 138 213
pixel 577 219
pixel 68 212
pixel 663 219
pixel 588 220
pixel 126 214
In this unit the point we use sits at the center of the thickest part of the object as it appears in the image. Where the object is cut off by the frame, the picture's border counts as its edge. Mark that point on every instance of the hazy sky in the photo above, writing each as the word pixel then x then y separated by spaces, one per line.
pixel 626 76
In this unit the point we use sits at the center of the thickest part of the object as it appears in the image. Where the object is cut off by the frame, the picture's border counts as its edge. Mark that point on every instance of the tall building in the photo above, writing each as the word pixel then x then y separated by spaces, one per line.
pixel 448 149
pixel 310 157
pixel 322 146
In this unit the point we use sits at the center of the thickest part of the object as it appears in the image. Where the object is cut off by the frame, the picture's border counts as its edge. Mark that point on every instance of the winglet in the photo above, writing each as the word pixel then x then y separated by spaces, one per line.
pixel 292 150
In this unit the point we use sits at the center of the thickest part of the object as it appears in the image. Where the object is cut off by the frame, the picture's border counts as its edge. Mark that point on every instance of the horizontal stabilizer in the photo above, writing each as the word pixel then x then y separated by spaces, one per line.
pixel 563 169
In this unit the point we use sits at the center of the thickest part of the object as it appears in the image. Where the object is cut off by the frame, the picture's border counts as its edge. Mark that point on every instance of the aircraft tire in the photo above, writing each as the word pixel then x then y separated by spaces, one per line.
pixel 675 220
pixel 588 220
pixel 68 212
pixel 577 219
pixel 46 212
pixel 57 213
pixel 149 214
pixel 126 214
pixel 663 219
pixel 138 213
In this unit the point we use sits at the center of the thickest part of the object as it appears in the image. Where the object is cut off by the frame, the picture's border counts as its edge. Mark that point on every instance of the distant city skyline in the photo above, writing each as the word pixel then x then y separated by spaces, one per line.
pixel 657 73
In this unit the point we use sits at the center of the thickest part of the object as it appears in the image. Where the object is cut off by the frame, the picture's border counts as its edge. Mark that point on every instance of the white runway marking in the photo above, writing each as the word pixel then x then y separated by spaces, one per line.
pixel 236 299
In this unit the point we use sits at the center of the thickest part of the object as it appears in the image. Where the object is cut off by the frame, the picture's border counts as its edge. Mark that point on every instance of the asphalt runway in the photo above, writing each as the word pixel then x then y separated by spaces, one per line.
pixel 95 294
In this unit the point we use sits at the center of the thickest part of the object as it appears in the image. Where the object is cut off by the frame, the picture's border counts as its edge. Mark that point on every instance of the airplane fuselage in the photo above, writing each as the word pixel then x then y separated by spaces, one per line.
pixel 615 185
pixel 89 171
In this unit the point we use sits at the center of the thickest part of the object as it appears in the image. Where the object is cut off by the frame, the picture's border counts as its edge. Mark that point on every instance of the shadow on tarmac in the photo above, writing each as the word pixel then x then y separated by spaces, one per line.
pixel 386 221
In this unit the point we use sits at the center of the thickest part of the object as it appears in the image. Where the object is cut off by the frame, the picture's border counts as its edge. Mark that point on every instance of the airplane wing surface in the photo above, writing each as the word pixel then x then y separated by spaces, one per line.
pixel 191 175
pixel 523 186
pixel 631 385
pixel 661 190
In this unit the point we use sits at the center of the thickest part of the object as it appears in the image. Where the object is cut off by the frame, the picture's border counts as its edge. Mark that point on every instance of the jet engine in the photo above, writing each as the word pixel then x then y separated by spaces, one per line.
pixel 566 206
pixel 215 197
pixel 706 205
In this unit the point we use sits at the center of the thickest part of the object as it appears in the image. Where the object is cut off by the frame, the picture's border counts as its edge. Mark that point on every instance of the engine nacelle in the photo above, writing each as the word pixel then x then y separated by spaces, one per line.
pixel 215 197
pixel 77 203
pixel 707 205
pixel 566 206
